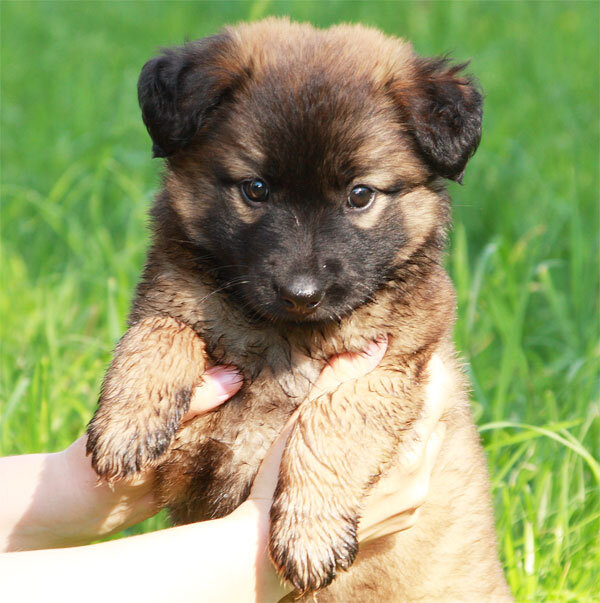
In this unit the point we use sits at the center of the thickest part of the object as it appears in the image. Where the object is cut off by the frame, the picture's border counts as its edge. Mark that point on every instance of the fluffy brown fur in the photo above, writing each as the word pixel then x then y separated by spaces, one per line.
pixel 313 112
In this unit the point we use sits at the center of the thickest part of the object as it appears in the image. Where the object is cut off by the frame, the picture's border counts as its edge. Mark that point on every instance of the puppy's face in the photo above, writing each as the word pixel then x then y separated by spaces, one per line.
pixel 305 164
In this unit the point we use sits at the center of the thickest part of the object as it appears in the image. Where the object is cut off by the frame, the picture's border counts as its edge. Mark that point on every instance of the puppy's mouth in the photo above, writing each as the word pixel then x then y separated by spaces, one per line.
pixel 309 318
pixel 300 300
pixel 302 305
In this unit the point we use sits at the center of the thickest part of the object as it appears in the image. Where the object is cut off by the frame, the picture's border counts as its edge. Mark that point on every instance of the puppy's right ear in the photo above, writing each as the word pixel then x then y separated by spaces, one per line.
pixel 178 89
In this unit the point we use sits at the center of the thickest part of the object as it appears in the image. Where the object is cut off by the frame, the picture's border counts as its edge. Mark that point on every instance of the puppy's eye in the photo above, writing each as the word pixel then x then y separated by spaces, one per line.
pixel 255 190
pixel 360 197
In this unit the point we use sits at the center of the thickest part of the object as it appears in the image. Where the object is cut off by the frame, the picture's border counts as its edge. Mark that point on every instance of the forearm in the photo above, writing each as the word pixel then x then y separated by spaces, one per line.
pixel 219 561
pixel 25 522
pixel 55 500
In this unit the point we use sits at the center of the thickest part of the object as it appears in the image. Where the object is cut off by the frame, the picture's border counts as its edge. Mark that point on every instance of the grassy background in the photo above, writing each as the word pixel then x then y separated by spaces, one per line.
pixel 77 180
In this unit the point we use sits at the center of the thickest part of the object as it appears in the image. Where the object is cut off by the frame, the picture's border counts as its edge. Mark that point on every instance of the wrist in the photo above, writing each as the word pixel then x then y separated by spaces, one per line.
pixel 99 508
pixel 64 510
pixel 57 500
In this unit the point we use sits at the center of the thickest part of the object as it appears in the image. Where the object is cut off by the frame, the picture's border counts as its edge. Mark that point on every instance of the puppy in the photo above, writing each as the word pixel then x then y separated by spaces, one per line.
pixel 303 213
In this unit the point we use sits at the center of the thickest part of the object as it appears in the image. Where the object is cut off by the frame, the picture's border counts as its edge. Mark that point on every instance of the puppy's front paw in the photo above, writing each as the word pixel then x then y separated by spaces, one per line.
pixel 308 549
pixel 145 393
pixel 122 443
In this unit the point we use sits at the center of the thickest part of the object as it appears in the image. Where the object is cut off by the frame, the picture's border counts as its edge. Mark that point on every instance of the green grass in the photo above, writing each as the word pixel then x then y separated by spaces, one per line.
pixel 77 180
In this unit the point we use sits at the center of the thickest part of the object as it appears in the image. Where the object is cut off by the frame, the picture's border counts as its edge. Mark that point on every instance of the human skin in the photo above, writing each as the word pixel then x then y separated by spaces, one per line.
pixel 57 501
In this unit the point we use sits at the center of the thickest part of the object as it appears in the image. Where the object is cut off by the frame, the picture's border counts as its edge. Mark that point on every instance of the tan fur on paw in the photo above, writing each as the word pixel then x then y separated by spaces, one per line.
pixel 146 391
pixel 308 550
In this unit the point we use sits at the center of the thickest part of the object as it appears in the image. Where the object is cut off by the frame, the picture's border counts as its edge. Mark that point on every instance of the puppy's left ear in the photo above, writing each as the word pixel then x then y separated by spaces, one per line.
pixel 443 109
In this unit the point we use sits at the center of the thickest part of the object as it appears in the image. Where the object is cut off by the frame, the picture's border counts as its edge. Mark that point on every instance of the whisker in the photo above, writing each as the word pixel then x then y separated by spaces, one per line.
pixel 231 283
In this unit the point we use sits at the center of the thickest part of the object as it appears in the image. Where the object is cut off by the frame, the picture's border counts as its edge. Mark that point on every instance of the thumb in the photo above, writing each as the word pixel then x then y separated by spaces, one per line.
pixel 347 366
pixel 219 383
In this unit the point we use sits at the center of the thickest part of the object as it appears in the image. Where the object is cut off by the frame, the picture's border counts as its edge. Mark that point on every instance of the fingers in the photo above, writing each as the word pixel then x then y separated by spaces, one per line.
pixel 394 503
pixel 436 394
pixel 219 383
pixel 434 405
pixel 417 481
pixel 349 366
pixel 433 447
pixel 338 370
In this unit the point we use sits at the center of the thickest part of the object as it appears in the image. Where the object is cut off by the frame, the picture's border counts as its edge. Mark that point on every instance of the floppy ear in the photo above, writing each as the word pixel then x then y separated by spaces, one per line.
pixel 443 109
pixel 178 90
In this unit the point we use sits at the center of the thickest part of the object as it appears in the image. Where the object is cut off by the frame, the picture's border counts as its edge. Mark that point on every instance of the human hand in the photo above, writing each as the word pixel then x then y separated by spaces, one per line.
pixel 62 502
pixel 338 370
pixel 393 504
pixel 130 500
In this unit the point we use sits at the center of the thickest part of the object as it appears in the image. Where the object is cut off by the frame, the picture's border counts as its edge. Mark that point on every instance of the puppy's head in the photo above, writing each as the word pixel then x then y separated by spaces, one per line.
pixel 307 164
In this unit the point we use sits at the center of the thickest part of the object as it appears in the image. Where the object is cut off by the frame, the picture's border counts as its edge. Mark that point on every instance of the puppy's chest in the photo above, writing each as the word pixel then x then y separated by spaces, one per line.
pixel 268 360
pixel 279 374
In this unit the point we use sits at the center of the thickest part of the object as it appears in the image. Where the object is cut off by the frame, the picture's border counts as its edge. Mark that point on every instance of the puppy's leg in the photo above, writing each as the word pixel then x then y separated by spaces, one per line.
pixel 338 448
pixel 146 391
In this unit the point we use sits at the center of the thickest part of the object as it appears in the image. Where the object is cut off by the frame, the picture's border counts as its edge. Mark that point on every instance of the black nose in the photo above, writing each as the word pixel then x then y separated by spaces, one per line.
pixel 301 295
